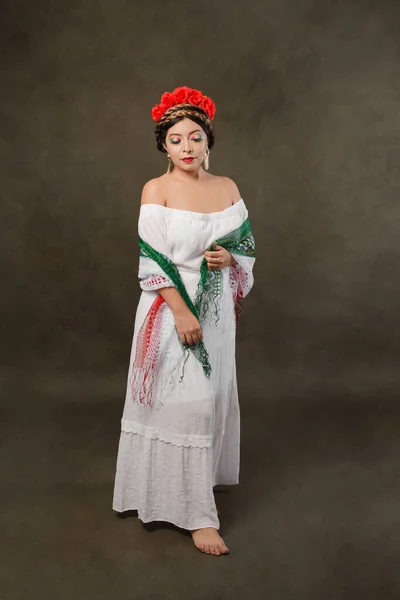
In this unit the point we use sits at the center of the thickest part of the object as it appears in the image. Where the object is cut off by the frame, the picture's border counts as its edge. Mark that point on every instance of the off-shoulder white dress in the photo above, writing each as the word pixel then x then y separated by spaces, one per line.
pixel 171 454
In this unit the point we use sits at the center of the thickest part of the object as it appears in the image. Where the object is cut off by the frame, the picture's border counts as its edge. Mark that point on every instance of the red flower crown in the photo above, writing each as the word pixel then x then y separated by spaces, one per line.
pixel 183 95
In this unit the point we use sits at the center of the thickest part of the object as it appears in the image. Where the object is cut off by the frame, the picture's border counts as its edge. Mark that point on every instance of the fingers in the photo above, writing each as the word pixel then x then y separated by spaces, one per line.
pixel 197 336
pixel 215 259
pixel 191 338
pixel 214 263
pixel 215 266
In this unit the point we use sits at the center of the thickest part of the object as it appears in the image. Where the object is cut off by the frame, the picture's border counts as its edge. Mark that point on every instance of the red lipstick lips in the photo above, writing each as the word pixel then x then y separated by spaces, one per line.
pixel 188 160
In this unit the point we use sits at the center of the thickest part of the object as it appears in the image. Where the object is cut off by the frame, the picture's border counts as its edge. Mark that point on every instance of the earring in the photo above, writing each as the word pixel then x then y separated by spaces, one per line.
pixel 207 160
pixel 169 169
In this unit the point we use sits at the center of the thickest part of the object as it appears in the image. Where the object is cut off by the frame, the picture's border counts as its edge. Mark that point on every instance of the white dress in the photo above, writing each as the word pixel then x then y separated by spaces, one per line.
pixel 171 454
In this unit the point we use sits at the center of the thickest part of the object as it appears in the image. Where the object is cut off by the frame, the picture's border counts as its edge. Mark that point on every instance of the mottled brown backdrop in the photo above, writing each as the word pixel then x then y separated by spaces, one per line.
pixel 308 105
pixel 308 125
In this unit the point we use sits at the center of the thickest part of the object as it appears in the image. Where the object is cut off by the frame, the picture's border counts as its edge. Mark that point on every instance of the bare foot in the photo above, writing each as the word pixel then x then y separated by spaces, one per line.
pixel 209 541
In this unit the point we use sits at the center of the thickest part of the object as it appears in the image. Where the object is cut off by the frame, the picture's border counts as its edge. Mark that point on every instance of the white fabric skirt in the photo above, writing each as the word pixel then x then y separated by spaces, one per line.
pixel 172 454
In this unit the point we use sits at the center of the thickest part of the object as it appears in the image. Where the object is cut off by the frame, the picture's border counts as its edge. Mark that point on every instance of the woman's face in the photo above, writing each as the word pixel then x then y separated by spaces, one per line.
pixel 186 143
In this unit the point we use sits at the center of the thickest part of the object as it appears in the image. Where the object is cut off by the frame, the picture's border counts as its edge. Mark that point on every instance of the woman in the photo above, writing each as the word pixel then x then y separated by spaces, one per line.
pixel 180 426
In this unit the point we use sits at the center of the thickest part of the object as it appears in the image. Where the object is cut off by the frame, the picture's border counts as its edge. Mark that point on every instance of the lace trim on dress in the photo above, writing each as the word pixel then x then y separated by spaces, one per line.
pixel 176 439
pixel 243 273
pixel 155 283
pixel 241 280
pixel 152 276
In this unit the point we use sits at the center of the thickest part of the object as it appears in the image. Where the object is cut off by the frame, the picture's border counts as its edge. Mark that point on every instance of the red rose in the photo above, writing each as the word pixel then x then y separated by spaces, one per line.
pixel 208 105
pixel 157 112
pixel 195 97
pixel 167 100
pixel 181 94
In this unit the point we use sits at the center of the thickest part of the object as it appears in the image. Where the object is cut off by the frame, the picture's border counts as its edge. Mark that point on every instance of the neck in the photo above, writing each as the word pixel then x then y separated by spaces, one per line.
pixel 194 175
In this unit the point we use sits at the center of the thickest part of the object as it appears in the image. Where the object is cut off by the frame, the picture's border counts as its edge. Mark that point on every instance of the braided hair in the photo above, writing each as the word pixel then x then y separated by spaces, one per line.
pixel 178 112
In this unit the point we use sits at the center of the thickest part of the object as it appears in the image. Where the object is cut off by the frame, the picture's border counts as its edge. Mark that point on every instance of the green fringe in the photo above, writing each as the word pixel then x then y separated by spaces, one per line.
pixel 167 265
pixel 239 241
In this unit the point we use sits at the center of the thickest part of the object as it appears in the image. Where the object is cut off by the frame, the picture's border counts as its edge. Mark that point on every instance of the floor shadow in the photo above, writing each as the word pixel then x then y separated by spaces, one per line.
pixel 127 514
pixel 162 525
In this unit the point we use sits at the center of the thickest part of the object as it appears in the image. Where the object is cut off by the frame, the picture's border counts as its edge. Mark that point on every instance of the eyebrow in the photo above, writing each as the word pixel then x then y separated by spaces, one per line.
pixel 194 131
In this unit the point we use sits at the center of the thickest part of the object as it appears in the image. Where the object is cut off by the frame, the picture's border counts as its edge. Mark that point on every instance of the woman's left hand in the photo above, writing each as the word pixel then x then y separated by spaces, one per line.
pixel 218 258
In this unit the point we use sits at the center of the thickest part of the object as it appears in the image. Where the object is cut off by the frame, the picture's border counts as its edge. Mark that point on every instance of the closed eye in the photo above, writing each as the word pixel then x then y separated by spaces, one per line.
pixel 176 141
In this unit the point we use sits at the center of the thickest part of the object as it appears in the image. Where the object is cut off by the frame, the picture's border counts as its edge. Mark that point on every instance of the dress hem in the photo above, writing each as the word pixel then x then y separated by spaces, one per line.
pixel 168 520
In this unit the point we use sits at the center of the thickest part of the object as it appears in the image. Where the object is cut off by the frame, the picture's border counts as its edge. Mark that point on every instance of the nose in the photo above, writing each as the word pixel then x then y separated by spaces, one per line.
pixel 187 148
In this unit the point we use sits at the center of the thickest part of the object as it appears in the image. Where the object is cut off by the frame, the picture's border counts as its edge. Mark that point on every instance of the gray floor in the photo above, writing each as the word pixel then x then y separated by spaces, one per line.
pixel 315 516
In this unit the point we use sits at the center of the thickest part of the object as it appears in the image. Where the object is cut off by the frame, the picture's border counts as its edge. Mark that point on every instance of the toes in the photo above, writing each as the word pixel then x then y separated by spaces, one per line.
pixel 215 546
pixel 224 549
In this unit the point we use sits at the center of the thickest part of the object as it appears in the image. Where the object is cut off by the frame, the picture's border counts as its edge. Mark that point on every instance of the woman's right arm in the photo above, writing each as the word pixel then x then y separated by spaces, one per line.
pixel 188 326
pixel 186 323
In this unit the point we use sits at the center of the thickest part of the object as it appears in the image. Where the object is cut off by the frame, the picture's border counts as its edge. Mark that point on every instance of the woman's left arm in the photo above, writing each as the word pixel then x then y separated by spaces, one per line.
pixel 219 258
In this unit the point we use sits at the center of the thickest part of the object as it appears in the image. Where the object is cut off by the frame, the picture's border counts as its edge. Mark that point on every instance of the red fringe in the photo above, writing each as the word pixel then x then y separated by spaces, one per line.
pixel 147 349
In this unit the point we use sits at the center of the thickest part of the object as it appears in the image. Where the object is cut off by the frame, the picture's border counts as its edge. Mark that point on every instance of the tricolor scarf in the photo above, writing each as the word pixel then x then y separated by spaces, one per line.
pixel 240 243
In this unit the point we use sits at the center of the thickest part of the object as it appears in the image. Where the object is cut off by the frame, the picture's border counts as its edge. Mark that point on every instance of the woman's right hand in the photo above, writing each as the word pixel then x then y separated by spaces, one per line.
pixel 188 327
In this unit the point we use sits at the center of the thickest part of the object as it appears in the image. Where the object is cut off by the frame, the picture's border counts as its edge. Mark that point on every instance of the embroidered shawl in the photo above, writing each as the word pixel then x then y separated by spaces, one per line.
pixel 157 270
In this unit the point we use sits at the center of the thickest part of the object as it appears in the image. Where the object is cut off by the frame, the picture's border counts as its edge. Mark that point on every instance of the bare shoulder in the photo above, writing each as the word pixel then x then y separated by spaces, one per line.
pixel 230 189
pixel 154 192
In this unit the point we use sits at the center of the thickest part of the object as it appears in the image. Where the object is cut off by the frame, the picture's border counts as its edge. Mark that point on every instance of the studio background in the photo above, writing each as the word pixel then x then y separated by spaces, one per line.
pixel 307 124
